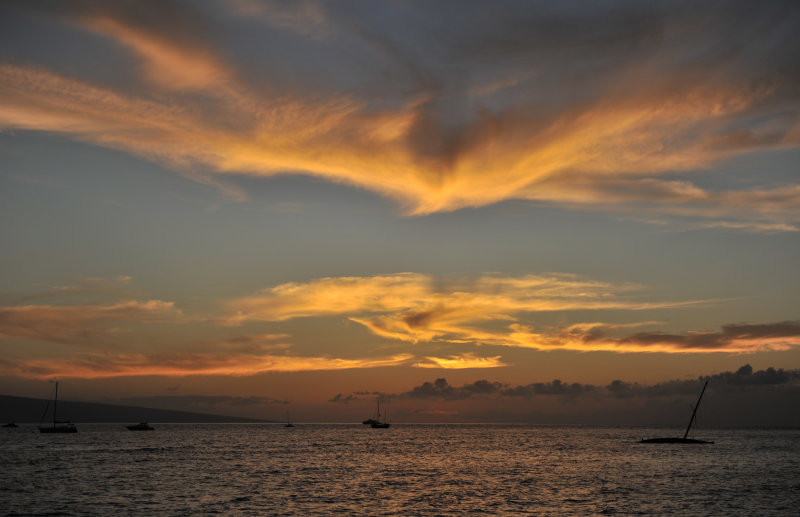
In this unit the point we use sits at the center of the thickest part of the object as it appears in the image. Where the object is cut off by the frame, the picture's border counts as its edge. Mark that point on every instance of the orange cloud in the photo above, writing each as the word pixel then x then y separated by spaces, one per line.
pixel 329 296
pixel 78 324
pixel 457 362
pixel 98 366
pixel 593 337
pixel 418 301
pixel 343 140
pixel 171 66
pixel 412 307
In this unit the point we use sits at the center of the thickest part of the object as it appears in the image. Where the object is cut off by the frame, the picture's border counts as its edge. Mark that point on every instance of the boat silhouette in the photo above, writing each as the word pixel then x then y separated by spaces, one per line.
pixel 59 426
pixel 377 424
pixel 372 421
pixel 288 420
pixel 686 434
pixel 376 420
pixel 141 426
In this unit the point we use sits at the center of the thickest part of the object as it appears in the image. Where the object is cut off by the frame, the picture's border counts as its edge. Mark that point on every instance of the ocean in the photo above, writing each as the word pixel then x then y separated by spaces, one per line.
pixel 327 469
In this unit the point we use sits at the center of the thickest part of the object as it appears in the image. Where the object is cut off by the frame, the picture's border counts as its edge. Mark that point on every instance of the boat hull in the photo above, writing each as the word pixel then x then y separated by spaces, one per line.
pixel 140 427
pixel 672 440
pixel 59 429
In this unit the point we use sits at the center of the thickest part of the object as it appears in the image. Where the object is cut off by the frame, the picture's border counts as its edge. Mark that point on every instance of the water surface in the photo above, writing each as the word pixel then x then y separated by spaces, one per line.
pixel 190 469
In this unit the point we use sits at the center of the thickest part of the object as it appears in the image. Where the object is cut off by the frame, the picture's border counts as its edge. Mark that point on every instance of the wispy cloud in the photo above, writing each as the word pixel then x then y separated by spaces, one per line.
pixel 459 362
pixel 418 308
pixel 81 324
pixel 734 338
pixel 98 366
pixel 83 287
pixel 665 94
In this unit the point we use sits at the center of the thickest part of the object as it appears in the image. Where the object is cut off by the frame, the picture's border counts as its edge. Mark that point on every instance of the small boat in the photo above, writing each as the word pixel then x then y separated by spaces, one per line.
pixel 288 421
pixel 59 426
pixel 373 421
pixel 377 424
pixel 141 426
pixel 10 424
pixel 684 439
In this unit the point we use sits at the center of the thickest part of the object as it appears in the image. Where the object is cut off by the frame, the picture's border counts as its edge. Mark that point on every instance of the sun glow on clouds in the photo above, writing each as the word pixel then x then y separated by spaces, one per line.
pixel 461 362
pixel 485 311
pixel 415 308
pixel 99 366
pixel 644 123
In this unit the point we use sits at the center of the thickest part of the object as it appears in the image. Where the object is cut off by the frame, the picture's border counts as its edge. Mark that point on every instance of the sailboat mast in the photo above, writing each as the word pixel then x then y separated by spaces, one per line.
pixel 55 405
pixel 693 412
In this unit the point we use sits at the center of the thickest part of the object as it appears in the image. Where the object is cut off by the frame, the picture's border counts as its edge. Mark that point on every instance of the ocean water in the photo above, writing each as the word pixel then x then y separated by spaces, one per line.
pixel 265 469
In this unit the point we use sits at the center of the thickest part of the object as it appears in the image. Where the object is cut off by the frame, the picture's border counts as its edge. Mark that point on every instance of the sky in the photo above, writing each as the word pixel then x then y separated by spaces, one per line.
pixel 475 211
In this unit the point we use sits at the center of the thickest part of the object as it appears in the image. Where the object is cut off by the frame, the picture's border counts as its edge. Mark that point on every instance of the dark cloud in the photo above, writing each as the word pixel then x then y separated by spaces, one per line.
pixel 441 389
pixel 744 377
pixel 785 330
pixel 345 399
pixel 726 381
pixel 555 387
pixel 357 396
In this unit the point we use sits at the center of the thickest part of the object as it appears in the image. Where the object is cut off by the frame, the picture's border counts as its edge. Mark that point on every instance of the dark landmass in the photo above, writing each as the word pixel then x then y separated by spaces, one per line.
pixel 30 410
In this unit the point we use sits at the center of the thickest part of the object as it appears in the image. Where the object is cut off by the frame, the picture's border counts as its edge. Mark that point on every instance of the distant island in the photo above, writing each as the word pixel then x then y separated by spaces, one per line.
pixel 24 409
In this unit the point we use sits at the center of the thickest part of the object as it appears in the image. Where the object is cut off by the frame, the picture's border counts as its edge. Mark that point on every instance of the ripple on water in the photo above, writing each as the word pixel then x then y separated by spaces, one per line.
pixel 420 470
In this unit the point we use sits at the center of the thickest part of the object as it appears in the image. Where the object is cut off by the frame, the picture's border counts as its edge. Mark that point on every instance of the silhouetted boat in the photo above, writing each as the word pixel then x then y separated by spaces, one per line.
pixel 59 426
pixel 691 420
pixel 378 424
pixel 288 421
pixel 10 424
pixel 141 426
pixel 373 421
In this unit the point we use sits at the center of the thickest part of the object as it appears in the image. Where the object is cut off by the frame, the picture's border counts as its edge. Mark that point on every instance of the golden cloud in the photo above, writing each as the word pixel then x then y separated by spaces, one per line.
pixel 594 337
pixel 417 301
pixel 417 308
pixel 403 149
pixel 98 366
pixel 457 362
pixel 413 307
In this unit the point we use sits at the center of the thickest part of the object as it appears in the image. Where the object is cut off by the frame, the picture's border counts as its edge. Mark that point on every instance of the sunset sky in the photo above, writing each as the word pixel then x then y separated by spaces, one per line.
pixel 244 206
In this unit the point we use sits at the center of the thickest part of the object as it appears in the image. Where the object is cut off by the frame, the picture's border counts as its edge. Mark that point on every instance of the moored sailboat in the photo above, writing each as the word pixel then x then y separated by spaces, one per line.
pixel 685 438
pixel 373 421
pixel 59 426
pixel 377 424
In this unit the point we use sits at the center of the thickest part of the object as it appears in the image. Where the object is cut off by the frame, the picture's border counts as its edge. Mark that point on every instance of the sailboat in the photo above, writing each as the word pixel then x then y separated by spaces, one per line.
pixel 288 420
pixel 377 424
pixel 373 421
pixel 691 420
pixel 63 426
